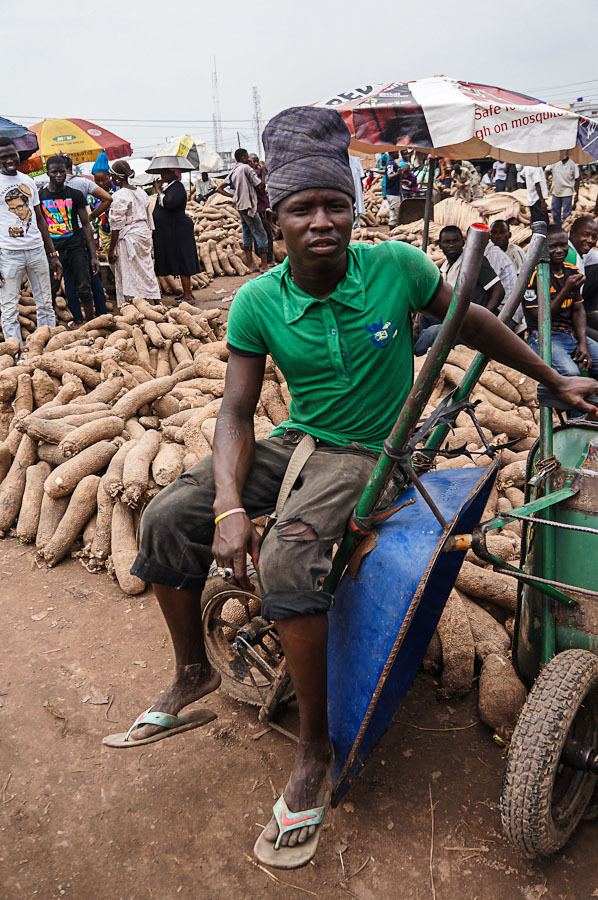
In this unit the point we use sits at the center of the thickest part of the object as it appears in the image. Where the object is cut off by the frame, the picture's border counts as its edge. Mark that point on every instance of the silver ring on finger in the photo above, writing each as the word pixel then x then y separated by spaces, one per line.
pixel 225 571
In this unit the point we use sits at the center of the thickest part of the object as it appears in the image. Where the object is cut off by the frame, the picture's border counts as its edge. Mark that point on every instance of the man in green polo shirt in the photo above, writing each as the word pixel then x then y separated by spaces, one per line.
pixel 337 321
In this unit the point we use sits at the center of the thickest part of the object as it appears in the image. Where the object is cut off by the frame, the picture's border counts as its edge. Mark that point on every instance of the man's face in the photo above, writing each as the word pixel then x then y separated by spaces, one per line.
pixel 451 245
pixel 316 224
pixel 245 159
pixel 557 247
pixel 499 235
pixel 585 238
pixel 254 161
pixel 20 208
pixel 9 160
pixel 57 175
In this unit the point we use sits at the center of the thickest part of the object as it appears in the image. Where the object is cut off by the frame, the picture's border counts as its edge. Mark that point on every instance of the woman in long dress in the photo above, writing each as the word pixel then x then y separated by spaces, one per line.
pixel 131 227
pixel 175 250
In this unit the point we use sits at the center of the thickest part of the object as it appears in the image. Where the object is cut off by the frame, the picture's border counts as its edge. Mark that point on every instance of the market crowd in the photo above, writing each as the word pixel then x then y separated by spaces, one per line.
pixel 54 235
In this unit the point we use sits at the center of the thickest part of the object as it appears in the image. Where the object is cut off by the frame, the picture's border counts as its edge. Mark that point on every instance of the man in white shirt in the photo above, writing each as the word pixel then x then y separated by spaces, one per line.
pixel 23 236
pixel 499 176
pixel 500 239
pixel 243 180
pixel 500 234
pixel 204 186
pixel 565 188
pixel 537 192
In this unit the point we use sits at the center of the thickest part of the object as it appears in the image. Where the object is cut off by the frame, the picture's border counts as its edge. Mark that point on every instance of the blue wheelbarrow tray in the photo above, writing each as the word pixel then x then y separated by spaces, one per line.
pixel 383 620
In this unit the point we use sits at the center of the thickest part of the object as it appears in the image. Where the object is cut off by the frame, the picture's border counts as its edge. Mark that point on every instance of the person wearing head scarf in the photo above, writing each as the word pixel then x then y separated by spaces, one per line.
pixel 101 164
pixel 131 227
pixel 337 319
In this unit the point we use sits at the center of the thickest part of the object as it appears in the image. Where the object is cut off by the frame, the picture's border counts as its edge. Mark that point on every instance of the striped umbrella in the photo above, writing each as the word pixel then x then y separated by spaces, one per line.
pixel 462 120
pixel 80 139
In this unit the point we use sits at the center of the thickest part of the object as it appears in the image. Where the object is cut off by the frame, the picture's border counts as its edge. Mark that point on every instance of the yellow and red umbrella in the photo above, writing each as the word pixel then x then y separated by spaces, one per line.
pixel 78 138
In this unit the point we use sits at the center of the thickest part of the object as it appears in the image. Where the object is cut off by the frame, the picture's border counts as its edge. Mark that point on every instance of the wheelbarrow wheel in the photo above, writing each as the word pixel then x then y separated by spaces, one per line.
pixel 226 611
pixel 543 799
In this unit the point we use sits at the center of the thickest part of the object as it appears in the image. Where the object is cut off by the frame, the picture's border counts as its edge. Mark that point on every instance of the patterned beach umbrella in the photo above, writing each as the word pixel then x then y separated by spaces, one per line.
pixel 462 120
pixel 81 140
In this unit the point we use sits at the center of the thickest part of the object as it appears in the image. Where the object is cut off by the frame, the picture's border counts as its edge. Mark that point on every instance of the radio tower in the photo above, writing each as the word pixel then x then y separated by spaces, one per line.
pixel 257 121
pixel 216 120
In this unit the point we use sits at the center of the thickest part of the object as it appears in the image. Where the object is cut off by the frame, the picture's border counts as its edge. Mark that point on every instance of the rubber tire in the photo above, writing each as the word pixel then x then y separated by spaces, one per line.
pixel 567 682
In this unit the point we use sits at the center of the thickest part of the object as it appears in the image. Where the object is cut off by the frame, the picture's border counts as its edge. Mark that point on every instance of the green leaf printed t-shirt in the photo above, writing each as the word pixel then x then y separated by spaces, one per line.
pixel 348 359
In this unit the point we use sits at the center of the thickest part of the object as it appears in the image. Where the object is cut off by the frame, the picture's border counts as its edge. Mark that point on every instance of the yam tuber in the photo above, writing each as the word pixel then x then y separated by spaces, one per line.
pixel 31 504
pixel 81 507
pixel 124 549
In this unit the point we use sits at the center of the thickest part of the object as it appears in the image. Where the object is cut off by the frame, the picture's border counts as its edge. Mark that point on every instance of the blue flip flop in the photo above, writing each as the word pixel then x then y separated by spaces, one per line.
pixel 292 857
pixel 171 724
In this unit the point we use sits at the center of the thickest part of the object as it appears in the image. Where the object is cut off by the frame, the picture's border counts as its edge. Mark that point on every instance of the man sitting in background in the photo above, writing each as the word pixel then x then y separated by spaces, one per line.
pixel 489 291
pixel 583 254
pixel 500 237
pixel 500 234
pixel 204 187
pixel 572 350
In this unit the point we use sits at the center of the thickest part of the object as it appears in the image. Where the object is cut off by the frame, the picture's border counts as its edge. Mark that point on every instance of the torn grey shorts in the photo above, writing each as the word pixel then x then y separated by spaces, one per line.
pixel 177 528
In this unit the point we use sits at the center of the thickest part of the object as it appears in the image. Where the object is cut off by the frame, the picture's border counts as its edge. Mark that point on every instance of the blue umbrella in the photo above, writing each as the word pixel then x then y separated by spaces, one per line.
pixel 25 141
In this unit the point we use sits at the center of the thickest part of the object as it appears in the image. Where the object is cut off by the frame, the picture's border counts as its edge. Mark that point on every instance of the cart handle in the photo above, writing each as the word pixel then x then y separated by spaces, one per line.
pixel 479 362
pixel 477 238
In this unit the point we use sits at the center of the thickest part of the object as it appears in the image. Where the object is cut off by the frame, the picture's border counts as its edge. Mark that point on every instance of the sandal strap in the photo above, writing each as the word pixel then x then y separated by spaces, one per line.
pixel 164 720
pixel 291 821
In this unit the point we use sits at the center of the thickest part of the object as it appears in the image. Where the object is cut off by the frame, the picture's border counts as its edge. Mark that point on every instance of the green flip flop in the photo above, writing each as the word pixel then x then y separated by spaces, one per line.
pixel 171 724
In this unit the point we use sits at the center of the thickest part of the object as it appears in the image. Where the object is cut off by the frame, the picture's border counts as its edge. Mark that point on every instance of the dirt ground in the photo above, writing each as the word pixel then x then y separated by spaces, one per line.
pixel 178 819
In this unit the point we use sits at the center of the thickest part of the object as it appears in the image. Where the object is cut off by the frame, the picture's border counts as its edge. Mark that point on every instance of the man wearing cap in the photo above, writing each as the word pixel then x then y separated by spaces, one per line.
pixel 337 320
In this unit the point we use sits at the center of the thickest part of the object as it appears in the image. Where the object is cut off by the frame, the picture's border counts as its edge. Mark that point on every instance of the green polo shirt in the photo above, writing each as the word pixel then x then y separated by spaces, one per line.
pixel 348 359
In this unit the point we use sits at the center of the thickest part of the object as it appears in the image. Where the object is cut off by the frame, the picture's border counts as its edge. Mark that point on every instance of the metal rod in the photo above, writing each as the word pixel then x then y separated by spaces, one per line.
pixel 419 486
pixel 479 362
pixel 547 535
pixel 477 238
pixel 428 206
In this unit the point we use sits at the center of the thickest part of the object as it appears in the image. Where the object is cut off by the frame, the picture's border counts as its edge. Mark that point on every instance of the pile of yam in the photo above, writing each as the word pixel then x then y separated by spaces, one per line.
pixel 27 315
pixel 219 239
pixel 94 422
pixel 474 634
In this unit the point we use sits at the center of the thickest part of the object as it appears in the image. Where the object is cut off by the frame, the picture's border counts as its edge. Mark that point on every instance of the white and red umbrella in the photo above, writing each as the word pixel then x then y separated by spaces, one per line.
pixel 462 120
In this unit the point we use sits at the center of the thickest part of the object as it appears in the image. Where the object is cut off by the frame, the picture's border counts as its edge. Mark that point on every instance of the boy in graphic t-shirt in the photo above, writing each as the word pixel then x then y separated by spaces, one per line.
pixel 65 211
pixel 572 350
pixel 24 243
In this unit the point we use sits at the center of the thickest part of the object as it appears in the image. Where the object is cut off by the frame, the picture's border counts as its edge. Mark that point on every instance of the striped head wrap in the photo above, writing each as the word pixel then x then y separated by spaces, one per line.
pixel 307 147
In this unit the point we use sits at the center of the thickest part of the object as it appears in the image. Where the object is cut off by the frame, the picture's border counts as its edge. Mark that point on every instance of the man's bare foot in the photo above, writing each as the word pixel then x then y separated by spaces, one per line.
pixel 188 685
pixel 305 789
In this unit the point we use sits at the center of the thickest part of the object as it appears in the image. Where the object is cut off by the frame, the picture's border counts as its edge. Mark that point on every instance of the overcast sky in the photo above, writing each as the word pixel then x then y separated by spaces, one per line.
pixel 130 61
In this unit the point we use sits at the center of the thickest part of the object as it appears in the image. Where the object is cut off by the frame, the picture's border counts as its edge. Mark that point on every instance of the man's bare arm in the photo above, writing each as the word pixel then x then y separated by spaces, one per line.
pixel 234 450
pixel 497 293
pixel 483 331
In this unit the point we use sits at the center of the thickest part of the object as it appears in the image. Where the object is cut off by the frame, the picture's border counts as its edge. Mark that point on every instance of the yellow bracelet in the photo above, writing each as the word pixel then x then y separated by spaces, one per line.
pixel 229 512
